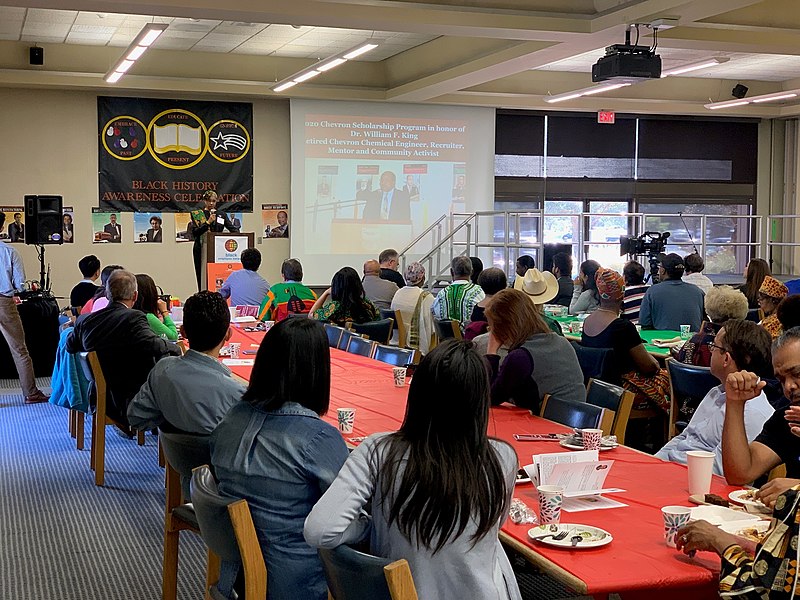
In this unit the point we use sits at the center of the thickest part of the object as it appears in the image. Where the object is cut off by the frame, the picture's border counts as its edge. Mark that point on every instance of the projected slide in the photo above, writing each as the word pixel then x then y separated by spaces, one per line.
pixel 364 182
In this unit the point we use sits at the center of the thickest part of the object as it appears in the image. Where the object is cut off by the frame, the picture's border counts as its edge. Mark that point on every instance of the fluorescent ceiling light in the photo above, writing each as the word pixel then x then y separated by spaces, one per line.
pixel 324 65
pixel 589 91
pixel 728 104
pixel 137 47
pixel 695 66
pixel 604 88
pixel 773 97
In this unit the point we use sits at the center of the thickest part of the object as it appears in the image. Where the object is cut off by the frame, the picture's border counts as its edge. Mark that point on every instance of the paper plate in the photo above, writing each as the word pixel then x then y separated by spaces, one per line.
pixel 744 498
pixel 572 446
pixel 592 537
pixel 753 531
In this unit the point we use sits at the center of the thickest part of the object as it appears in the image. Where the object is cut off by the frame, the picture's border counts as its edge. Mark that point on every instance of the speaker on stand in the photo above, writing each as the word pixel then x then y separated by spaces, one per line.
pixel 43 225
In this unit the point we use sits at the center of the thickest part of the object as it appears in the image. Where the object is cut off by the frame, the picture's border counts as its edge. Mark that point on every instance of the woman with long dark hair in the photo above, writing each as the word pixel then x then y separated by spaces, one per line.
pixel 154 308
pixel 273 450
pixel 439 487
pixel 754 273
pixel 345 301
pixel 584 296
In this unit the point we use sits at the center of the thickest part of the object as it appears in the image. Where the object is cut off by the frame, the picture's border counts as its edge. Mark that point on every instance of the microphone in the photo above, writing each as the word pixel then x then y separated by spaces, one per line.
pixel 689 233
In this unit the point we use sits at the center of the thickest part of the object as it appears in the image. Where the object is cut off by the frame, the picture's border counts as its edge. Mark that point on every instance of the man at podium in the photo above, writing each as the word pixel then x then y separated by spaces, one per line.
pixel 388 203
pixel 202 221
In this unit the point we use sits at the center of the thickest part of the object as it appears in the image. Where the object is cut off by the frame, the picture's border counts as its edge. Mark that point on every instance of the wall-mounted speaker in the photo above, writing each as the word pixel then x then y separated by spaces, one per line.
pixel 739 91
pixel 36 55
pixel 43 219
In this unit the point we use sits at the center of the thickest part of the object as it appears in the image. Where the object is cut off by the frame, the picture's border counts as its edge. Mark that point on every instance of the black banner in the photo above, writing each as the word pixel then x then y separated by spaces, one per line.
pixel 162 155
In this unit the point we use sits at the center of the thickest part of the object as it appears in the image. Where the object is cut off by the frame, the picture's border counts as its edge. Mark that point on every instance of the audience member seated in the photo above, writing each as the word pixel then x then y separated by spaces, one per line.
pixel 770 295
pixel 246 287
pixel 491 280
pixel 788 312
pixel 477 269
pixel 125 344
pixel 437 491
pixel 540 288
pixel 85 289
pixel 344 302
pixel 754 273
pixel 191 393
pixel 584 295
pixel 289 297
pixel 389 260
pixel 539 362
pixel 635 289
pixel 636 368
pixel 562 270
pixel 524 262
pixel 672 302
pixel 415 305
pixel 722 303
pixel 458 299
pixel 274 450
pixel 99 301
pixel 775 444
pixel 154 308
pixel 694 272
pixel 739 345
pixel 379 291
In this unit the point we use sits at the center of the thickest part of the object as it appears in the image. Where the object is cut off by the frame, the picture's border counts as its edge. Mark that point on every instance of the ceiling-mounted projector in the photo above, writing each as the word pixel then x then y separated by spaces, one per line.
pixel 627 62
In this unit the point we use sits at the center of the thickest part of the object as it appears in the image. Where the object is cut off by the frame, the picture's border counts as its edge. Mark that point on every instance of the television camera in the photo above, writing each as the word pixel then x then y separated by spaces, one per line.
pixel 651 243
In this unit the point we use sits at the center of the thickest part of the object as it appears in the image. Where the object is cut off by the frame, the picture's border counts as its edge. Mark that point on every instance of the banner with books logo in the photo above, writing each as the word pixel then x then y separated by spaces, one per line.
pixel 163 155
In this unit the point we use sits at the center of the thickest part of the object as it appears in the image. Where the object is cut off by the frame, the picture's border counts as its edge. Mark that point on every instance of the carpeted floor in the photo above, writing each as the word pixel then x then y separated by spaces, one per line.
pixel 63 538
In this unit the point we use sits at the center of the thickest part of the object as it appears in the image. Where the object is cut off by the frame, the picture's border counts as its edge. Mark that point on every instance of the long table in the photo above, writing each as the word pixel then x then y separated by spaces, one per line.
pixel 647 335
pixel 636 563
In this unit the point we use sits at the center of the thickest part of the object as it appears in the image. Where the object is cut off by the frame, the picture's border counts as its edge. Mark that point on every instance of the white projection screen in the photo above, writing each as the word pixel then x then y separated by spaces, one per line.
pixel 369 176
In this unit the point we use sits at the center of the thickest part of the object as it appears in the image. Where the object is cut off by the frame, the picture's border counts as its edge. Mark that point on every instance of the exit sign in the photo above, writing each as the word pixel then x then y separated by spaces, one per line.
pixel 606 116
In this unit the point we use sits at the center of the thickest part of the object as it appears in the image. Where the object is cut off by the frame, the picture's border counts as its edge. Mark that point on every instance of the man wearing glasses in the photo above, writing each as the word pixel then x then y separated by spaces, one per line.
pixel 737 346
pixel 776 444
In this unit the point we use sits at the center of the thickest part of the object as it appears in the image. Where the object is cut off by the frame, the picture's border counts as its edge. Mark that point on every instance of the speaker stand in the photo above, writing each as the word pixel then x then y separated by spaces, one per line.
pixel 44 279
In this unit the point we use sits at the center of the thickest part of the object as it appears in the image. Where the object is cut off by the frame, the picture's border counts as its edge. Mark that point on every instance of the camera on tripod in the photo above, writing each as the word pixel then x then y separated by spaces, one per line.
pixel 651 243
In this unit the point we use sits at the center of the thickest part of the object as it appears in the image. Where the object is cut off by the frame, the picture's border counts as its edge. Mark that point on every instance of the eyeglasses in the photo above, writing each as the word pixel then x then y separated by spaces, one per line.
pixel 722 349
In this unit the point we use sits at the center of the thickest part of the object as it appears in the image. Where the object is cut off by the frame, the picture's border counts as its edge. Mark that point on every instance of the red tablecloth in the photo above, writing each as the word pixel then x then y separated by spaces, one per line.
pixel 637 561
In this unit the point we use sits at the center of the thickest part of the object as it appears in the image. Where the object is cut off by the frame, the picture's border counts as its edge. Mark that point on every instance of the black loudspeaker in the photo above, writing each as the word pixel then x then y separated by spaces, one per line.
pixel 739 91
pixel 36 55
pixel 43 219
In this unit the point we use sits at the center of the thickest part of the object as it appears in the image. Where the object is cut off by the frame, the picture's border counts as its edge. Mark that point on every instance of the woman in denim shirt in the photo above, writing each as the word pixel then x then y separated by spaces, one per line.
pixel 273 450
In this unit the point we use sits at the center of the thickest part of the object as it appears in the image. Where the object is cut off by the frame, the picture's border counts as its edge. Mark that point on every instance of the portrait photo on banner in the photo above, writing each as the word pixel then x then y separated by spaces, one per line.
pixel 275 220
pixel 148 227
pixel 68 227
pixel 14 229
pixel 162 156
pixel 106 228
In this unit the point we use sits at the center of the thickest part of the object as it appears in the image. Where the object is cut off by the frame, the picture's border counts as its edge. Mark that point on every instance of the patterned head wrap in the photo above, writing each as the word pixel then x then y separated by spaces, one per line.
pixel 415 273
pixel 773 288
pixel 610 284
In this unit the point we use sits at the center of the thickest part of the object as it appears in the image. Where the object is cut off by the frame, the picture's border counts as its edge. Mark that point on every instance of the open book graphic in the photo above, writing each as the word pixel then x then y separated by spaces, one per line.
pixel 177 138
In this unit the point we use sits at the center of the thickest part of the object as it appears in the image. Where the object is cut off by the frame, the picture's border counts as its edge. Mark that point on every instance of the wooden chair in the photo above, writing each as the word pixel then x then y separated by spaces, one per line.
pixel 399 357
pixel 345 339
pixel 380 331
pixel 688 386
pixel 101 420
pixel 226 526
pixel 334 334
pixel 612 397
pixel 75 421
pixel 402 332
pixel 579 415
pixel 361 346
pixel 353 575
pixel 448 328
pixel 596 363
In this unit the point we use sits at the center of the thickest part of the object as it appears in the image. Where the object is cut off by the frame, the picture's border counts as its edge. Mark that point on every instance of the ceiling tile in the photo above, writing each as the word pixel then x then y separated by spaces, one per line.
pixel 41 15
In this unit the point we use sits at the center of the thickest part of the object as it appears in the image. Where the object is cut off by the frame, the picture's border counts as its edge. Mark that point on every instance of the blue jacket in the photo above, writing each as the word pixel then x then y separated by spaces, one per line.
pixel 70 386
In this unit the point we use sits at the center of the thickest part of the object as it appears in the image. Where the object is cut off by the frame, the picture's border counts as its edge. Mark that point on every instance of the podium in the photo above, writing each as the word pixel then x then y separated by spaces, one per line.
pixel 222 256
pixel 360 236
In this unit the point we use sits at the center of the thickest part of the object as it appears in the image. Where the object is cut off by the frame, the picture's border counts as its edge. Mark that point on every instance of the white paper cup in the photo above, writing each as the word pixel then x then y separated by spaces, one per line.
pixel 346 418
pixel 551 498
pixel 701 465
pixel 686 332
pixel 399 376
pixel 236 349
pixel 591 438
pixel 675 517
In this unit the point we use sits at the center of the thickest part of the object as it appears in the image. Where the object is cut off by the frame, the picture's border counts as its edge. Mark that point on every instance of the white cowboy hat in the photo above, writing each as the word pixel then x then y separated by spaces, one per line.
pixel 540 287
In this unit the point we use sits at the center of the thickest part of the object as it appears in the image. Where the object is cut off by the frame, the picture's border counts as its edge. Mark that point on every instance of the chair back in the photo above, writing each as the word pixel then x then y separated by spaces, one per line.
pixel 448 328
pixel 579 415
pixel 185 452
pixel 361 346
pixel 612 397
pixel 754 315
pixel 388 313
pixel 380 331
pixel 83 361
pixel 688 384
pixel 596 363
pixel 353 575
pixel 399 357
pixel 334 334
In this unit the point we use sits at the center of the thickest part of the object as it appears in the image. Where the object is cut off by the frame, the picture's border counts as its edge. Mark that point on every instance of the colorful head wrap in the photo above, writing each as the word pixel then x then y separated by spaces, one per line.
pixel 415 273
pixel 773 288
pixel 610 284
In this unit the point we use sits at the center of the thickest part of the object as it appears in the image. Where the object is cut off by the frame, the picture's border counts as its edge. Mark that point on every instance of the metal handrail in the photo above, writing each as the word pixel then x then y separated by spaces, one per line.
pixel 417 239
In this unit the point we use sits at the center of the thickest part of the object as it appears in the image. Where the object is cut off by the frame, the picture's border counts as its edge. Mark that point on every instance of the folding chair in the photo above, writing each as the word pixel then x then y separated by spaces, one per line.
pixel 353 575
pixel 579 415
pixel 612 397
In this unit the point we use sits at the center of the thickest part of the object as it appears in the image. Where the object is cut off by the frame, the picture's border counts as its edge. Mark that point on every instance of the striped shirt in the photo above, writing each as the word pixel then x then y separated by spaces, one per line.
pixel 632 301
pixel 457 300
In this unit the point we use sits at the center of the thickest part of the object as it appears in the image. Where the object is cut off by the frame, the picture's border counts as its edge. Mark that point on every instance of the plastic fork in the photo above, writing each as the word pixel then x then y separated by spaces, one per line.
pixel 556 536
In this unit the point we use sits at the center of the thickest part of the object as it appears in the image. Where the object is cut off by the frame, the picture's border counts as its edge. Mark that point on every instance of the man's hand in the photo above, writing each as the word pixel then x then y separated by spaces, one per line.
pixel 770 491
pixel 702 535
pixel 743 386
pixel 792 416
pixel 494 344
